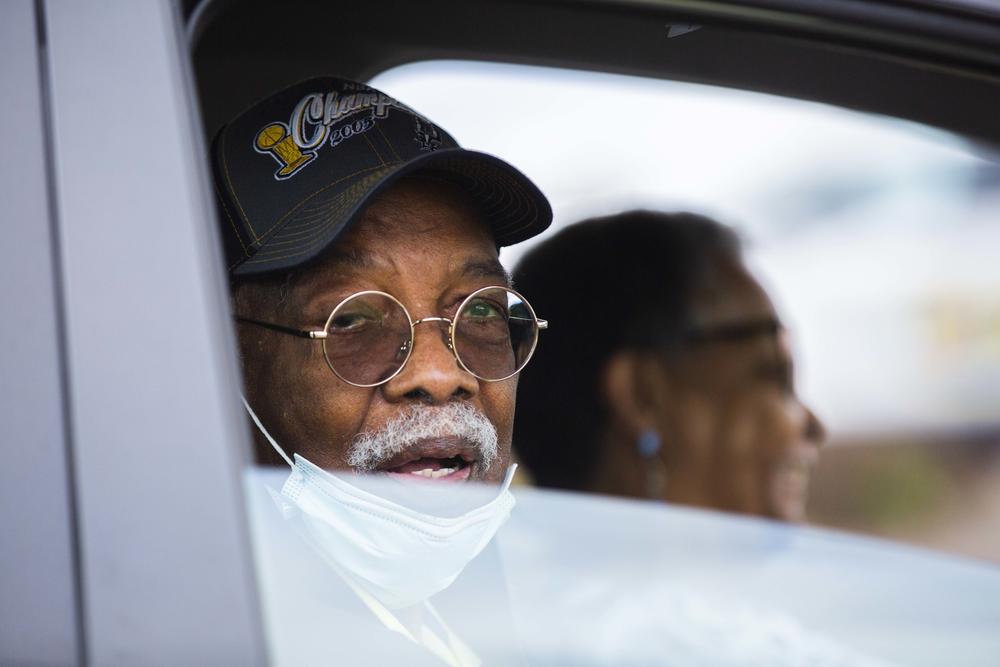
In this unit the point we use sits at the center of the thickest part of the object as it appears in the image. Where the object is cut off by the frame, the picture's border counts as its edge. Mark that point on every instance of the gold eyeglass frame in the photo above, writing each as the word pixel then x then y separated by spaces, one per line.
pixel 322 334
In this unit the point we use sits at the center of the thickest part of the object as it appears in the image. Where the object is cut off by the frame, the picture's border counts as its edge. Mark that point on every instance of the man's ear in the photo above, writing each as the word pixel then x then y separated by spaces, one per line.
pixel 634 387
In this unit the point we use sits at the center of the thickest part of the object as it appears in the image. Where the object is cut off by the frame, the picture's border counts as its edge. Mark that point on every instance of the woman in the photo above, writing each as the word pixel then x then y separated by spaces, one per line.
pixel 665 373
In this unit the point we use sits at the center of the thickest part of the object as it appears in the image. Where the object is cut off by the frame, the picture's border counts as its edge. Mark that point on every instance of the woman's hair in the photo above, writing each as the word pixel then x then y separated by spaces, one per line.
pixel 606 284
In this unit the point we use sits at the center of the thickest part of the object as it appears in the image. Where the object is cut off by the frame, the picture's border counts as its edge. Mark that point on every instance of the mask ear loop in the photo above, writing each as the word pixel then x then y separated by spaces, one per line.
pixel 256 420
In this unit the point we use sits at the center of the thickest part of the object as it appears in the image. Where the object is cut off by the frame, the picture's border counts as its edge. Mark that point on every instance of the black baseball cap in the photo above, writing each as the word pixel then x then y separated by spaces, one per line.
pixel 293 172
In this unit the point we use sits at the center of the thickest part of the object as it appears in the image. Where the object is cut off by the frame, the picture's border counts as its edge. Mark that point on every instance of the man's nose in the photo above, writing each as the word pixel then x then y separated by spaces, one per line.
pixel 432 374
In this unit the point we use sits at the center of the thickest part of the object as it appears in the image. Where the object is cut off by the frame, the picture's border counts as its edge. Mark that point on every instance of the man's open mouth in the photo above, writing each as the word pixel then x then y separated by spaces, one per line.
pixel 447 459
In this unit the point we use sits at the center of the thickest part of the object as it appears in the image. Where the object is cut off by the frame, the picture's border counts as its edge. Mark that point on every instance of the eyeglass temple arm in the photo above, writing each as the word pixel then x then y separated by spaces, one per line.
pixel 542 324
pixel 301 333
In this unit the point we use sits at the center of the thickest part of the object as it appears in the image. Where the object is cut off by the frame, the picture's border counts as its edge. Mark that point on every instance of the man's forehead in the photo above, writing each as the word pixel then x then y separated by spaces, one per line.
pixel 417 211
pixel 417 230
pixel 472 263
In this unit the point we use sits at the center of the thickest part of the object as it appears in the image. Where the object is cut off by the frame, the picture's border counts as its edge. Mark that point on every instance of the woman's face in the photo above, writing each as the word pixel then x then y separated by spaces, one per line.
pixel 735 434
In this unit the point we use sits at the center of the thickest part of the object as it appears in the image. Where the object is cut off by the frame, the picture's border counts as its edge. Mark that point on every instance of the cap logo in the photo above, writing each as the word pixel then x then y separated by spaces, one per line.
pixel 426 134
pixel 317 118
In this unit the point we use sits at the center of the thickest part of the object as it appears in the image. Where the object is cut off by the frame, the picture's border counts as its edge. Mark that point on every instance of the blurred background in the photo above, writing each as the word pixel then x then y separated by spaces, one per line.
pixel 876 238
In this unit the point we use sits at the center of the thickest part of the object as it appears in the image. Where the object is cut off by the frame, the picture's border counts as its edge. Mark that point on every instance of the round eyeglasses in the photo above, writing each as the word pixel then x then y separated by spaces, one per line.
pixel 368 337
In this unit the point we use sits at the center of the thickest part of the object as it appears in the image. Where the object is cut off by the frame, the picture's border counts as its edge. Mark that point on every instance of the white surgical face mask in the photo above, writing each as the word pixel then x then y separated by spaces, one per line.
pixel 397 554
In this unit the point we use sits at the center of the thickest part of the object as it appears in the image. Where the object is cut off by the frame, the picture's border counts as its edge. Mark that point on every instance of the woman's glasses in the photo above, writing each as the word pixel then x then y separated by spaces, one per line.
pixel 368 337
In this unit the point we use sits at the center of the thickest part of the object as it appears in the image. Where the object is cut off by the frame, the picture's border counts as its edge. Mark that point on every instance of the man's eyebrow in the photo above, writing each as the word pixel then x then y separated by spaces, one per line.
pixel 487 269
pixel 352 257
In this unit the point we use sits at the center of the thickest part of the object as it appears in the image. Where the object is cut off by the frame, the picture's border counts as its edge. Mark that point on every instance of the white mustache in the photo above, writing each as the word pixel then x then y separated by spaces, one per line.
pixel 421 422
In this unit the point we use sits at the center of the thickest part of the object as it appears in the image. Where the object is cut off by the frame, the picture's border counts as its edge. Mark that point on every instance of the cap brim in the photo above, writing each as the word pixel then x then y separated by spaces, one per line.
pixel 513 207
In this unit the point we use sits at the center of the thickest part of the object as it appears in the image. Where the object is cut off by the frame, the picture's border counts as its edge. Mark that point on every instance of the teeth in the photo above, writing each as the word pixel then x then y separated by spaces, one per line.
pixel 433 474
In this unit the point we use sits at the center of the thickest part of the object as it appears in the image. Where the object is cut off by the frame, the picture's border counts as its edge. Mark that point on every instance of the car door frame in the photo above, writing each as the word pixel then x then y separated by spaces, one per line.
pixel 128 447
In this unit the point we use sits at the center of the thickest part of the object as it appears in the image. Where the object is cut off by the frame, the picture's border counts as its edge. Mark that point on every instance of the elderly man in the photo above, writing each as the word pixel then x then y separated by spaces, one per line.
pixel 377 330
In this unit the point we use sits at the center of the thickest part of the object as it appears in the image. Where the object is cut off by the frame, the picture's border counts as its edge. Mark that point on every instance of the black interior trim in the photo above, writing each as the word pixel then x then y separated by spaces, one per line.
pixel 915 60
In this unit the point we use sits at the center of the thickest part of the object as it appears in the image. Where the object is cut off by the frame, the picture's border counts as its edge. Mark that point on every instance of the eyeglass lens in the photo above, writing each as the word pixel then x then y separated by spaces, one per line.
pixel 494 333
pixel 368 339
pixel 368 336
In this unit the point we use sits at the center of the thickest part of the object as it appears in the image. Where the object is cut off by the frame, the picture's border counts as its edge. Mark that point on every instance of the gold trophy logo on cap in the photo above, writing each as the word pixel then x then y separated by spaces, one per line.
pixel 274 139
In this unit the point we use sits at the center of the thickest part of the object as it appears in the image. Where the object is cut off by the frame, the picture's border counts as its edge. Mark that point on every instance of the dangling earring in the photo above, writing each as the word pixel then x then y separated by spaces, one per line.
pixel 648 446
pixel 648 443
